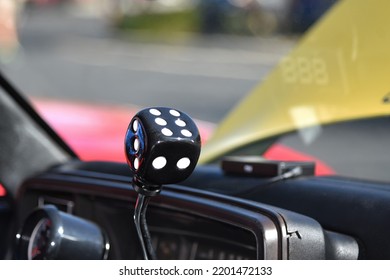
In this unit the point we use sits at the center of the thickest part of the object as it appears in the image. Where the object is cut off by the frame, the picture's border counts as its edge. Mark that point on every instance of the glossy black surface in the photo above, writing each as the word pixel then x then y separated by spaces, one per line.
pixel 5 225
pixel 49 234
pixel 162 146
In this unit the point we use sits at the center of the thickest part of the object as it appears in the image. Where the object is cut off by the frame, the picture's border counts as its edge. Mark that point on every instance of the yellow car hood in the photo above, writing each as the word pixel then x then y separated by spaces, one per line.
pixel 339 71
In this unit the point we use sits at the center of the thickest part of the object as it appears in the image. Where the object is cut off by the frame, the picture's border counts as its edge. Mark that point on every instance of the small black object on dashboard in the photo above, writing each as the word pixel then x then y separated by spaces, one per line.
pixel 256 166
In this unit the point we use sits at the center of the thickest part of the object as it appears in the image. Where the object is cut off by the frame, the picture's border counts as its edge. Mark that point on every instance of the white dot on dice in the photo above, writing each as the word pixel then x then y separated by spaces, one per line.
pixel 155 112
pixel 136 163
pixel 135 126
pixel 180 123
pixel 186 133
pixel 183 163
pixel 167 132
pixel 159 162
pixel 174 113
pixel 136 144
pixel 160 121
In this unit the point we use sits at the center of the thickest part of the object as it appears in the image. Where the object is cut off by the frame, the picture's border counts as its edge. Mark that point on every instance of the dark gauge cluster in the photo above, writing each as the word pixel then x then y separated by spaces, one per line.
pixel 48 233
pixel 184 223
pixel 40 243
pixel 185 245
pixel 51 234
pixel 184 236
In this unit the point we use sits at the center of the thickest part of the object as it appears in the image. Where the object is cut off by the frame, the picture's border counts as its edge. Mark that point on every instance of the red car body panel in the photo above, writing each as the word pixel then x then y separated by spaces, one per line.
pixel 3 192
pixel 95 132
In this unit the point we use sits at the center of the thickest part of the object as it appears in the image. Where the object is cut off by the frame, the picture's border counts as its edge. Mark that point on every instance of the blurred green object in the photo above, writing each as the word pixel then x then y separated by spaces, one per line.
pixel 247 17
pixel 162 23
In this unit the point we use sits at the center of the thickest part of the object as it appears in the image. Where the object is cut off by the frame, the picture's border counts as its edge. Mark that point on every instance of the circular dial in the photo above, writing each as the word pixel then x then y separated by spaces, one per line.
pixel 49 234
pixel 39 240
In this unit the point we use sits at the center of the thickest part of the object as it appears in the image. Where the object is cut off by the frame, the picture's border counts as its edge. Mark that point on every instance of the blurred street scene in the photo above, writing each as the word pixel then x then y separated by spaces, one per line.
pixel 199 56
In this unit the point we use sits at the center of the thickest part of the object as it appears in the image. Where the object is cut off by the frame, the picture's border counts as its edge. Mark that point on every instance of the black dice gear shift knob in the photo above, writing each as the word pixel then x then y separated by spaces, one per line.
pixel 162 146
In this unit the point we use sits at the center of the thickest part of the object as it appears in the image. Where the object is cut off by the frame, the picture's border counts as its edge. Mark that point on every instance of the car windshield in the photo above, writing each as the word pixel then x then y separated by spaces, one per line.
pixel 88 66
pixel 184 54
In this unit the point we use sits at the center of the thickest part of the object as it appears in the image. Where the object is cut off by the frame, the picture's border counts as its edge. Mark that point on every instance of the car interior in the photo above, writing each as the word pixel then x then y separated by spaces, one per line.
pixel 56 206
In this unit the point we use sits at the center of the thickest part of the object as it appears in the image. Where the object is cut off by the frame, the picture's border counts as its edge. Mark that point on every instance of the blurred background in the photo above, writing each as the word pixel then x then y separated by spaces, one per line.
pixel 200 56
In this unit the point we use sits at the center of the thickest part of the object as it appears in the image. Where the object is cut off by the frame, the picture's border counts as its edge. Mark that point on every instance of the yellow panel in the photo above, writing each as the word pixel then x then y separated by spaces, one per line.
pixel 339 71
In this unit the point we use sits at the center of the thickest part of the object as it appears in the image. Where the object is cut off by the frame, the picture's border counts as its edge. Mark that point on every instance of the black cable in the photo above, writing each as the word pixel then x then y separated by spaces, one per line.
pixel 290 174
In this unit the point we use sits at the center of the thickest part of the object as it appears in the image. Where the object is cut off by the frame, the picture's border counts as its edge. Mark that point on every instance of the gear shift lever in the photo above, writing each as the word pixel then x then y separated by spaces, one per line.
pixel 162 146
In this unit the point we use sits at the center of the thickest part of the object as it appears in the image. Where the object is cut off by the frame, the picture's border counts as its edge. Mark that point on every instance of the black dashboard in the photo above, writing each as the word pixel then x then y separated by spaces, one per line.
pixel 212 215
pixel 184 225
